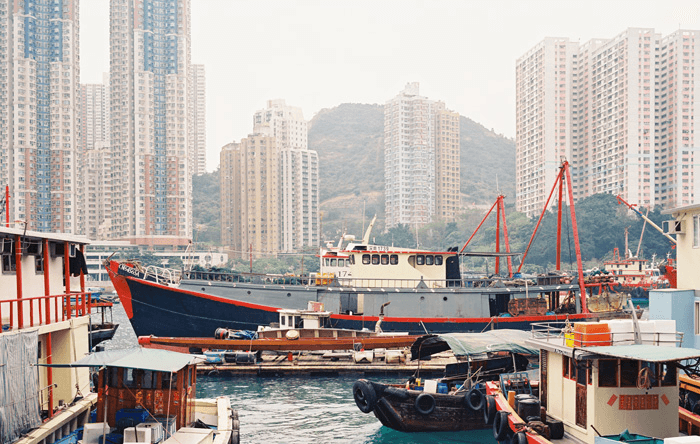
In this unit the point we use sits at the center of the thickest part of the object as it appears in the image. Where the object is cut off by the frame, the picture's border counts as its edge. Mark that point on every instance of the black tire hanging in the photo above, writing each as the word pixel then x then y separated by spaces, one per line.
pixel 364 394
pixel 489 409
pixel 475 399
pixel 425 404
pixel 500 426
pixel 519 438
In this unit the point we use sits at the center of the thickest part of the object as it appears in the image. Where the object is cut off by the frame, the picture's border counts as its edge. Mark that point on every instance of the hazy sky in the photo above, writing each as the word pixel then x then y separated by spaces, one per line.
pixel 319 54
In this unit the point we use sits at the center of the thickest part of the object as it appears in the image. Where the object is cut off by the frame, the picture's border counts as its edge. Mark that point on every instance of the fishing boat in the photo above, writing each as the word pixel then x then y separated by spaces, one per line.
pixel 148 396
pixel 634 276
pixel 453 402
pixel 596 381
pixel 425 288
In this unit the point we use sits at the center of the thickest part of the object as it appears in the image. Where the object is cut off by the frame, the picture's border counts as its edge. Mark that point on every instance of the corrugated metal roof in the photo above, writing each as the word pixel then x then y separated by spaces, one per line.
pixel 643 352
pixel 141 358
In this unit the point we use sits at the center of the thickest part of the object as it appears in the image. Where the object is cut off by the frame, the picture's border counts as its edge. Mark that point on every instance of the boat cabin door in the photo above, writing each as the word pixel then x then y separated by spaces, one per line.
pixel 582 378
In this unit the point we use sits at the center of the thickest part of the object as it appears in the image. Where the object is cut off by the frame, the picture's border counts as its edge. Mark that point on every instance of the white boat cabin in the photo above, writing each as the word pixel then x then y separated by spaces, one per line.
pixel 382 266
pixel 596 376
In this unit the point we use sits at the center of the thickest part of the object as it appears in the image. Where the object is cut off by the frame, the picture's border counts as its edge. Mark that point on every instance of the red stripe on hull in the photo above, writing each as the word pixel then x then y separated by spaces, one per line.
pixel 126 301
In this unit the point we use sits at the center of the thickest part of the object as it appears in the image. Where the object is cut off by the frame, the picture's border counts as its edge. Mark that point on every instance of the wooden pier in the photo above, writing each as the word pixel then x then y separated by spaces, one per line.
pixel 329 364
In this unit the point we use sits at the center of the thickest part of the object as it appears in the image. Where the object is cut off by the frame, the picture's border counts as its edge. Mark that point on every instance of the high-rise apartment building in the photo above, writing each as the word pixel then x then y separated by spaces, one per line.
pixel 250 196
pixel 39 78
pixel 198 120
pixel 94 145
pixel 415 183
pixel 447 169
pixel 678 118
pixel 149 70
pixel 616 109
pixel 298 174
pixel 543 125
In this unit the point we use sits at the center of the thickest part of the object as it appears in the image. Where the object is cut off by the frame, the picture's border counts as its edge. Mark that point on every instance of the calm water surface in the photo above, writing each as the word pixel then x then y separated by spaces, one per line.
pixel 299 410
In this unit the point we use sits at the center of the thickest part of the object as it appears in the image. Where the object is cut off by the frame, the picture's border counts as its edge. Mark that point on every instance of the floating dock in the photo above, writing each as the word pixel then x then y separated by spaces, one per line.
pixel 328 364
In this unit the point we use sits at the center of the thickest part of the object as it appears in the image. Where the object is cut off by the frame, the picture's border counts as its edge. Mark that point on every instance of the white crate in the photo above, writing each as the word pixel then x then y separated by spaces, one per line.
pixel 93 431
pixel 156 428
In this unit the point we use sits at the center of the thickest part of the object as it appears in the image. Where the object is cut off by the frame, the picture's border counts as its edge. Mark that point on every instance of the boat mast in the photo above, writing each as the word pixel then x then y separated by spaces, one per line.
pixel 620 200
pixel 564 174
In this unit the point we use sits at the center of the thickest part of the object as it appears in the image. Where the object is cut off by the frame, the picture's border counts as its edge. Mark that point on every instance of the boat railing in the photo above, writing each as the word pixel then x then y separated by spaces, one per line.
pixel 564 333
pixel 330 280
pixel 43 310
pixel 162 275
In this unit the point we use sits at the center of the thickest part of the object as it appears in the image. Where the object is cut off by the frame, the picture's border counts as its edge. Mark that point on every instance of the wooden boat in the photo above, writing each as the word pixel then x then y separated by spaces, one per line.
pixel 455 401
pixel 149 396
pixel 595 380
pixel 297 330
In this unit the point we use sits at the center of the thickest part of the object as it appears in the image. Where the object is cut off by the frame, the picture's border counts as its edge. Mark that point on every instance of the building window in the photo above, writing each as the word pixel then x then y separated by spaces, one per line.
pixel 696 231
pixel 697 317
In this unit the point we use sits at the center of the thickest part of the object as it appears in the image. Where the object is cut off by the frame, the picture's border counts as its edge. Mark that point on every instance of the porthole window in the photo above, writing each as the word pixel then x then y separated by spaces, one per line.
pixel 375 259
pixel 385 259
pixel 429 259
pixel 438 260
pixel 365 259
pixel 420 260
pixel 394 259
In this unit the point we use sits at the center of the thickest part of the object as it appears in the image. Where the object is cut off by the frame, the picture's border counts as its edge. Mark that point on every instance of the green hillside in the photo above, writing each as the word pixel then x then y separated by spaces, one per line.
pixel 349 140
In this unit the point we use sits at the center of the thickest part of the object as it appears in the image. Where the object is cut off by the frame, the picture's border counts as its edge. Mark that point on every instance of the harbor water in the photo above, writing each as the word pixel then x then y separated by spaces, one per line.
pixel 300 410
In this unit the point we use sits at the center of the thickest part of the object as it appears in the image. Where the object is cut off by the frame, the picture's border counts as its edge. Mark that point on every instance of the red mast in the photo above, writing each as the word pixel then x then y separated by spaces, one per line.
pixel 500 213
pixel 564 174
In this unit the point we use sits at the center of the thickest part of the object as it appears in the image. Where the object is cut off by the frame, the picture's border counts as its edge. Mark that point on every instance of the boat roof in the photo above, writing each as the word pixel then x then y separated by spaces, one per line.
pixel 138 358
pixel 57 237
pixel 643 352
pixel 465 344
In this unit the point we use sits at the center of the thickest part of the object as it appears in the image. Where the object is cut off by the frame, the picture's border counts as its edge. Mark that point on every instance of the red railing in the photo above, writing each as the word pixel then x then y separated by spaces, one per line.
pixel 44 310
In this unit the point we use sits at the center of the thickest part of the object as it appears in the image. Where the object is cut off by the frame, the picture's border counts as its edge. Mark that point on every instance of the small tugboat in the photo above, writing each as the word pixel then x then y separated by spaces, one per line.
pixel 455 401
pixel 596 379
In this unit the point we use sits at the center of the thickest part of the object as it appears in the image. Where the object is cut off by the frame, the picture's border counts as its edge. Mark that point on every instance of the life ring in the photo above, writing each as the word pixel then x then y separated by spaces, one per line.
pixel 475 399
pixel 364 394
pixel 519 438
pixel 489 409
pixel 425 403
pixel 500 425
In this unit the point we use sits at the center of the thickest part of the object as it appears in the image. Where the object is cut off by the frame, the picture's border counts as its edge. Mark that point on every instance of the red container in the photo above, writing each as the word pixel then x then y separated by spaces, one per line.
pixel 591 334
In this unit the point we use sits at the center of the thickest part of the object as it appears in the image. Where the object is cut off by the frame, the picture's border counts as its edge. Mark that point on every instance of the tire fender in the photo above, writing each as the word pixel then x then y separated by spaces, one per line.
pixel 489 409
pixel 500 425
pixel 364 394
pixel 475 399
pixel 425 403
pixel 519 438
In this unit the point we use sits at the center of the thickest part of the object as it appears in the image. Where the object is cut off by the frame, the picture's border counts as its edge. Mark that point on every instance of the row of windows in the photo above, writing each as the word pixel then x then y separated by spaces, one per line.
pixel 620 372
pixel 393 259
